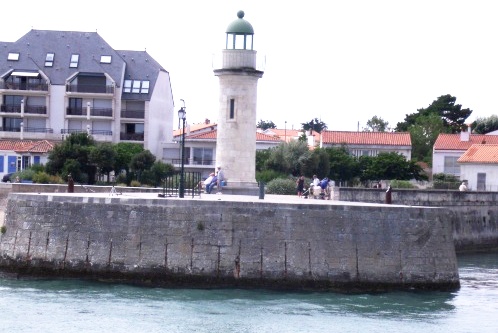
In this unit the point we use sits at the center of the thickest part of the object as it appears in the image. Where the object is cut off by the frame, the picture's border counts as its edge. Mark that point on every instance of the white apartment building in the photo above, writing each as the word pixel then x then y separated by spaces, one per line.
pixel 54 83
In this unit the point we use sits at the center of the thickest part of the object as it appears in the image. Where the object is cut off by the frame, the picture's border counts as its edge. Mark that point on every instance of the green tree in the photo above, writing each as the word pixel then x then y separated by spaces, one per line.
pixel 314 125
pixel 485 125
pixel 424 134
pixel 317 163
pixel 157 173
pixel 389 166
pixel 141 162
pixel 452 114
pixel 289 157
pixel 342 166
pixel 103 156
pixel 73 156
pixel 261 157
pixel 124 154
pixel 264 125
pixel 376 124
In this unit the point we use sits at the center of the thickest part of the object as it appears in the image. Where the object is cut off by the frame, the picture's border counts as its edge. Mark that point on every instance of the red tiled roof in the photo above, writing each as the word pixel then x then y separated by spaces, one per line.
pixel 204 135
pixel 367 138
pixel 479 153
pixel 192 128
pixel 265 137
pixel 27 146
pixel 211 135
pixel 453 142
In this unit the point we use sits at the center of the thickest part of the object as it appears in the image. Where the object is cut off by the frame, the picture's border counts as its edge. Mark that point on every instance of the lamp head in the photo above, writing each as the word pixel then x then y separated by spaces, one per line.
pixel 182 114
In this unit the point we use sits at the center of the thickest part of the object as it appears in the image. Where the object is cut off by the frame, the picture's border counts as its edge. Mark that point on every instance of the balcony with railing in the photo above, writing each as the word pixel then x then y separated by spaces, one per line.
pixel 133 114
pixel 131 136
pixel 90 88
pixel 96 112
pixel 24 86
pixel 28 109
pixel 27 129
pixel 92 131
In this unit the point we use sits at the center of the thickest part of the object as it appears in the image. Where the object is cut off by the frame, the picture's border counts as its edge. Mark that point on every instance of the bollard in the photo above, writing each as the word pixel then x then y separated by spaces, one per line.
pixel 388 195
pixel 261 190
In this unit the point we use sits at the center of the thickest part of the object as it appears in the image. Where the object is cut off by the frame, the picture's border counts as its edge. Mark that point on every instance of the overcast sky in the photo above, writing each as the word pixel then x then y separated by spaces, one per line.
pixel 340 61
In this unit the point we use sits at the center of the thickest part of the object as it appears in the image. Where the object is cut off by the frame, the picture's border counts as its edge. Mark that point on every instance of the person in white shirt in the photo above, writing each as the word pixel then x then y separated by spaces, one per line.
pixel 463 187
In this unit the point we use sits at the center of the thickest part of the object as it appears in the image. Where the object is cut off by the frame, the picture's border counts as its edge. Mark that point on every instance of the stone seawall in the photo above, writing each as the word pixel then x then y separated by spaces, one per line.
pixel 475 222
pixel 228 243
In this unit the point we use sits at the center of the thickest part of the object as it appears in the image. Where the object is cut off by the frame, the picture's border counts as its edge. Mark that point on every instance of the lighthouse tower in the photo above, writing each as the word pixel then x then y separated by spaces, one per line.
pixel 238 81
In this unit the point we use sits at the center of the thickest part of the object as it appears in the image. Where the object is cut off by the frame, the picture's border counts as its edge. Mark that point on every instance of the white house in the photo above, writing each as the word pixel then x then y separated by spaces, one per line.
pixel 448 148
pixel 17 155
pixel 479 167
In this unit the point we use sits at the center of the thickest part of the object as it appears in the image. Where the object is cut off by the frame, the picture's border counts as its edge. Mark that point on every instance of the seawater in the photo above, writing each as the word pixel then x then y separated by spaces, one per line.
pixel 80 306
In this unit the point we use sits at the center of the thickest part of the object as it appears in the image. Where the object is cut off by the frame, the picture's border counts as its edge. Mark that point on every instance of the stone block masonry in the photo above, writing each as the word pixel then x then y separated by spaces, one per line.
pixel 171 242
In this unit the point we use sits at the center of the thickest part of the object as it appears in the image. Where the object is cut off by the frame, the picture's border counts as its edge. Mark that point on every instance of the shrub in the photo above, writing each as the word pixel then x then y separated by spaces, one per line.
pixel 401 184
pixel 3 229
pixel 445 181
pixel 135 183
pixel 268 175
pixel 281 186
pixel 45 178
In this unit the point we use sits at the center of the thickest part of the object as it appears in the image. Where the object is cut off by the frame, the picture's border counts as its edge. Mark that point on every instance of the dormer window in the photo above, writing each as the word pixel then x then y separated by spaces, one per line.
pixel 145 87
pixel 14 56
pixel 105 59
pixel 74 60
pixel 136 86
pixel 127 86
pixel 49 59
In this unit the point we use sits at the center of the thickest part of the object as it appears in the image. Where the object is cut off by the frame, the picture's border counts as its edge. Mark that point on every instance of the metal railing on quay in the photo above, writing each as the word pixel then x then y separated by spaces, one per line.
pixel 171 185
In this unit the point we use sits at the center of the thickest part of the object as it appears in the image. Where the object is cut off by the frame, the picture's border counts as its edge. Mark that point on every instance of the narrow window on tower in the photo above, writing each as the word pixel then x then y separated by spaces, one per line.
pixel 232 108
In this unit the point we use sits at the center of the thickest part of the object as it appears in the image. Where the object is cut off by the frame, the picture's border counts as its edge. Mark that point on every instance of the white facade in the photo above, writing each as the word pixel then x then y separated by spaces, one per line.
pixel 480 176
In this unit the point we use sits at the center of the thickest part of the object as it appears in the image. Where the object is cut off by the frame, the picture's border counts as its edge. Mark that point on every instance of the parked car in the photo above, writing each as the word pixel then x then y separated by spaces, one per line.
pixel 6 177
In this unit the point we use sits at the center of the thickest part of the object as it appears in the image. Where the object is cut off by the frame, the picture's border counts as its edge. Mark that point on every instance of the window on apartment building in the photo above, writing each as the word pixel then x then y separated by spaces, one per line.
pixel 75 58
pixel 232 108
pixel 49 59
pixel 14 56
pixel 203 156
pixel 12 100
pixel 105 59
pixel 75 106
pixel 11 124
pixel 451 166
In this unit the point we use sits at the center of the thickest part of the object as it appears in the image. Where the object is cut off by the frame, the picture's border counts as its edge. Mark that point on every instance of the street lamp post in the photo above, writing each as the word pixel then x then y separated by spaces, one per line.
pixel 182 114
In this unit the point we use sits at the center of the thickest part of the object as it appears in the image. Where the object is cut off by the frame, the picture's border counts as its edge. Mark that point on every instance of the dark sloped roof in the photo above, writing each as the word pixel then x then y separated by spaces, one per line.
pixel 90 46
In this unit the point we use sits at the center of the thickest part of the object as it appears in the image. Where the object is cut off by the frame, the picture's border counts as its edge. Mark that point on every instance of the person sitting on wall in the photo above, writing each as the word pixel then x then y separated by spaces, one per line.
pixel 463 187
pixel 205 183
pixel 214 182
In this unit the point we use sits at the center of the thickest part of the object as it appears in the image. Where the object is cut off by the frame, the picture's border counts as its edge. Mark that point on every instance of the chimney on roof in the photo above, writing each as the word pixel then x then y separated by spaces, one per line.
pixel 465 134
pixel 207 121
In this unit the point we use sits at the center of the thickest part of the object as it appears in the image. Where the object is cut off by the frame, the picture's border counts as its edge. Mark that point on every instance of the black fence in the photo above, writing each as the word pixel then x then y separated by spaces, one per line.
pixel 192 180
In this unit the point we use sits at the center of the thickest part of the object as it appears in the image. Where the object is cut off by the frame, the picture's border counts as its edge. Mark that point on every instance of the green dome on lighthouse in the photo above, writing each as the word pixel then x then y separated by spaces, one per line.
pixel 240 26
pixel 239 34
